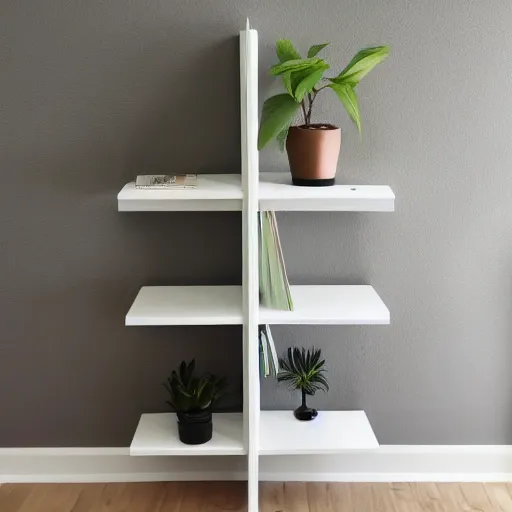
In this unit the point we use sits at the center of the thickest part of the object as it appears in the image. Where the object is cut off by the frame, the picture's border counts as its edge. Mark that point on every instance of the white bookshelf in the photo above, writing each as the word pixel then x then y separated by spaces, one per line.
pixel 157 434
pixel 187 305
pixel 277 193
pixel 330 304
pixel 214 192
pixel 331 432
pixel 223 192
pixel 222 305
pixel 256 433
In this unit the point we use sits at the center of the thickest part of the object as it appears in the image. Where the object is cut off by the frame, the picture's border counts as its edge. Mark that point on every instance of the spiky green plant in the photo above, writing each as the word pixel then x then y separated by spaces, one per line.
pixel 188 393
pixel 303 79
pixel 304 370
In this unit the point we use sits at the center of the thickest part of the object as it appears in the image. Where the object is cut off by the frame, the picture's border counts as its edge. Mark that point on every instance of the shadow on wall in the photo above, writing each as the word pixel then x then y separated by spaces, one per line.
pixel 195 127
pixel 93 388
pixel 152 112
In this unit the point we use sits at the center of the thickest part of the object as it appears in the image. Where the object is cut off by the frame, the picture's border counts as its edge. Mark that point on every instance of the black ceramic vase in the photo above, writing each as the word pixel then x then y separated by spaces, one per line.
pixel 195 428
pixel 303 412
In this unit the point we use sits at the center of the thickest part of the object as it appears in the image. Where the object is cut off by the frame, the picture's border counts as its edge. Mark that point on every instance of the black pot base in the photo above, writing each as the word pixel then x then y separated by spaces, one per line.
pixel 305 413
pixel 313 183
pixel 195 429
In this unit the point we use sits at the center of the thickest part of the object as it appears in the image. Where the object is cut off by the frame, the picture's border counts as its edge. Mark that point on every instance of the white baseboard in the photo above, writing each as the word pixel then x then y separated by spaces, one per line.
pixel 386 464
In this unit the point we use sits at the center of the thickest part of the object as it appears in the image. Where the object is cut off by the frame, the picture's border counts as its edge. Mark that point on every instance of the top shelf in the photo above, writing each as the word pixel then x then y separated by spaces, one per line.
pixel 277 193
pixel 214 192
pixel 223 192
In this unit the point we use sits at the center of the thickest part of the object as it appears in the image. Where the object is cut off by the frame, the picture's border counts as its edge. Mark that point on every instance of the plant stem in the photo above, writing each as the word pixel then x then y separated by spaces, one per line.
pixel 303 105
pixel 320 88
pixel 311 99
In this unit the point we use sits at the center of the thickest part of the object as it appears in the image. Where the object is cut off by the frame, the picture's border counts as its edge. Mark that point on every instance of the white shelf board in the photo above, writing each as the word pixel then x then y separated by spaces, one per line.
pixel 157 434
pixel 223 192
pixel 187 305
pixel 214 192
pixel 277 193
pixel 329 432
pixel 330 304
pixel 222 305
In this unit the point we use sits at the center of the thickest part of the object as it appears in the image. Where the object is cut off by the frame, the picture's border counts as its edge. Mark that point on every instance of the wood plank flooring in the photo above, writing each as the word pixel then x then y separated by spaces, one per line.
pixel 275 497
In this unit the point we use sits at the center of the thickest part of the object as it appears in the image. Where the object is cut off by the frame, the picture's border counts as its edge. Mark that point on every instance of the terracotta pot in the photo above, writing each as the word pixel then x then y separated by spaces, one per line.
pixel 313 154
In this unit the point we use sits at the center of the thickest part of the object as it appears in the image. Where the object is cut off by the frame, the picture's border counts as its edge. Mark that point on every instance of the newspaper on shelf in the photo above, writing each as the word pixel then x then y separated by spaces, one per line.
pixel 166 181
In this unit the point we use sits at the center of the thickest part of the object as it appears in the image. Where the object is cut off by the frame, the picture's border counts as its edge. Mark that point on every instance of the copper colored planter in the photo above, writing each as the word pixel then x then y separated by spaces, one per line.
pixel 313 154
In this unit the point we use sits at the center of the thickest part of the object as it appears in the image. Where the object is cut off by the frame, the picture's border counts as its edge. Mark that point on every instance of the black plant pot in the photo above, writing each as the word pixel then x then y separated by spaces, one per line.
pixel 303 412
pixel 195 427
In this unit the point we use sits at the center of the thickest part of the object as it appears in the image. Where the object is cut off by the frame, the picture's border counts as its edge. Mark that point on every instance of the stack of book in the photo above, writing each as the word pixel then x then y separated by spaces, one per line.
pixel 274 285
pixel 269 362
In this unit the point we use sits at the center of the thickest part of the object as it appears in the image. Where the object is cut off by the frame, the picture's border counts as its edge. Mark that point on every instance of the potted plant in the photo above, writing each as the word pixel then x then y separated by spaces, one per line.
pixel 304 370
pixel 312 147
pixel 193 398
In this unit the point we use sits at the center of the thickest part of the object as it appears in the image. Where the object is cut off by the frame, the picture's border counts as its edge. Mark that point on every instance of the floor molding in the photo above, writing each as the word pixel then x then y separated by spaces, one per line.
pixel 388 463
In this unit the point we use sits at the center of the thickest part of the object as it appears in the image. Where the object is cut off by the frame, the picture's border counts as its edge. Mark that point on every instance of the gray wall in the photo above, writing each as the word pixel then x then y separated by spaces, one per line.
pixel 96 92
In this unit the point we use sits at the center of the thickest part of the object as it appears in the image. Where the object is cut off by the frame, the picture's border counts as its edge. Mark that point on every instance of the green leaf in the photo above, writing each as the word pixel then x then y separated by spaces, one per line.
pixel 287 82
pixel 348 97
pixel 323 384
pixel 190 369
pixel 299 83
pixel 183 372
pixel 309 81
pixel 278 113
pixel 201 386
pixel 361 64
pixel 315 49
pixel 301 369
pixel 281 138
pixel 286 51
pixel 300 359
pixel 315 357
pixel 295 65
pixel 291 360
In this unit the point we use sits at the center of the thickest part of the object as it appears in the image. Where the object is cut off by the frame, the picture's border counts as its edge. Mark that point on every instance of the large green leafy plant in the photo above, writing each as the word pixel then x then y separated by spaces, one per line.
pixel 304 79
pixel 188 393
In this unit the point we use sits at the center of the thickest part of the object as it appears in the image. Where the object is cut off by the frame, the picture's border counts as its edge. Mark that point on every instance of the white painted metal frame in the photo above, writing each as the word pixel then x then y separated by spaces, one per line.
pixel 250 172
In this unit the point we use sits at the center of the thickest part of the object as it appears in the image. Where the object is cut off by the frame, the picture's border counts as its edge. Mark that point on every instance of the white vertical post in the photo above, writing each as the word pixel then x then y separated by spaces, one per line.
pixel 250 181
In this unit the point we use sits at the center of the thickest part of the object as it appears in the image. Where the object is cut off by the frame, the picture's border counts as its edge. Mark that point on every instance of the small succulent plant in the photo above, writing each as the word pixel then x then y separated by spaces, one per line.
pixel 304 370
pixel 188 393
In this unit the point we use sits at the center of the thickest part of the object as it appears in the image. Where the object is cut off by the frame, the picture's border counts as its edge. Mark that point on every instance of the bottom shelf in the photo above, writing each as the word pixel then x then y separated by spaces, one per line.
pixel 280 434
pixel 329 432
pixel 157 434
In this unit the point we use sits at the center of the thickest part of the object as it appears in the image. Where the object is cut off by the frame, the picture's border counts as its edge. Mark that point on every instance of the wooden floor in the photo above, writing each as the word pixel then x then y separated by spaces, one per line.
pixel 275 497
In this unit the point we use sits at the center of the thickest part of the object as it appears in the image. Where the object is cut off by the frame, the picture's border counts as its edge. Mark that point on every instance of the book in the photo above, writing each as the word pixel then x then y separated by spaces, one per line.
pixel 269 362
pixel 273 352
pixel 166 181
pixel 266 363
pixel 274 286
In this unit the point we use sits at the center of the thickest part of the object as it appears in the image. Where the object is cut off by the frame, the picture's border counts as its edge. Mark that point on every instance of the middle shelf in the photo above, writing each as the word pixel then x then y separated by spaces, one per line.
pixel 222 305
